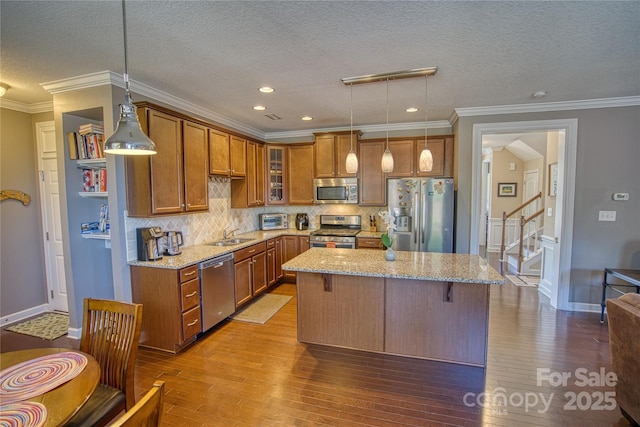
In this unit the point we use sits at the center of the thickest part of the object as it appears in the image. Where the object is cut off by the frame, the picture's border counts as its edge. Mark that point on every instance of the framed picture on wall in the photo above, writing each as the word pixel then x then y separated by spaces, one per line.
pixel 507 189
pixel 553 179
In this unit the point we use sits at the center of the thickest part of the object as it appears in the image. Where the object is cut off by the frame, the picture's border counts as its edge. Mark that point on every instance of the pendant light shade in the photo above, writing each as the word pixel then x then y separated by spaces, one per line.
pixel 426 158
pixel 387 157
pixel 128 139
pixel 352 160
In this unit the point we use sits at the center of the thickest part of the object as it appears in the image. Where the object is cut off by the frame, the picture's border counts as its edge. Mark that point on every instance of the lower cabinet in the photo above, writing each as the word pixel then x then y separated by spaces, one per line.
pixel 368 243
pixel 171 306
pixel 250 272
pixel 274 260
pixel 293 246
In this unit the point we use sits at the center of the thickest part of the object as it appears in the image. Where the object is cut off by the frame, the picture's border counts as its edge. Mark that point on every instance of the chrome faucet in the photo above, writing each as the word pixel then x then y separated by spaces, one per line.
pixel 228 234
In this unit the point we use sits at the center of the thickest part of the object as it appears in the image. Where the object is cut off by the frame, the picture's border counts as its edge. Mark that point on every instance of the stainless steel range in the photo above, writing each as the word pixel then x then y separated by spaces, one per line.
pixel 336 231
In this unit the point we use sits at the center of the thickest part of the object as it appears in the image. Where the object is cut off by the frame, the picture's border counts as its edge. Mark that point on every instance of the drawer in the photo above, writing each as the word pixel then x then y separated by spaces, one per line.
pixel 271 243
pixel 191 324
pixel 190 293
pixel 188 273
pixel 369 242
pixel 250 251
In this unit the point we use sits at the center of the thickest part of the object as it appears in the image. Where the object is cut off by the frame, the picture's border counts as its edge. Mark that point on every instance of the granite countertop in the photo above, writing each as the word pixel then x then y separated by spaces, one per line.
pixel 197 253
pixel 463 268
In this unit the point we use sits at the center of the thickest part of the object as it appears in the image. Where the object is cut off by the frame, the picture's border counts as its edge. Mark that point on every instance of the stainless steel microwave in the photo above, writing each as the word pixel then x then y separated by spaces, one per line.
pixel 335 190
pixel 273 221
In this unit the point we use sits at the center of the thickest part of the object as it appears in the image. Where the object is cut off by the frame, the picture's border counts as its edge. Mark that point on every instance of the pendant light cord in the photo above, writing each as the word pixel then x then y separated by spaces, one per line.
pixel 387 114
pixel 426 97
pixel 351 125
pixel 126 61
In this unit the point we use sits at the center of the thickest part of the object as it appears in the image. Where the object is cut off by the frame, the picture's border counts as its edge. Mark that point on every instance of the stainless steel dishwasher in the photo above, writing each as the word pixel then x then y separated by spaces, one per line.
pixel 217 290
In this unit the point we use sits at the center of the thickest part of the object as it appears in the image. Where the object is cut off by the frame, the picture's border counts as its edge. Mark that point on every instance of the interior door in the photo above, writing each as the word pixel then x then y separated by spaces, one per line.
pixel 51 220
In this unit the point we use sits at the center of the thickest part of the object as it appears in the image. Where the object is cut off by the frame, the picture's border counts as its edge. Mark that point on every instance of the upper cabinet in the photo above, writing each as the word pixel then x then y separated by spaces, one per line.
pixel 406 156
pixel 238 149
pixel 300 174
pixel 159 184
pixel 219 153
pixel 331 152
pixel 276 175
pixel 249 191
pixel 372 180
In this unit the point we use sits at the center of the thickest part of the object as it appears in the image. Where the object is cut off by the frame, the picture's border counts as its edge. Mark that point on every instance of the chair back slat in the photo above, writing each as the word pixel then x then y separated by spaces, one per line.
pixel 110 333
pixel 145 413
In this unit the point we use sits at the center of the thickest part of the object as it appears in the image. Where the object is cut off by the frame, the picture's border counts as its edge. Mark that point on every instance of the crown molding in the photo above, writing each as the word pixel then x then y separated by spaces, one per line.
pixel 626 101
pixel 38 107
pixel 79 82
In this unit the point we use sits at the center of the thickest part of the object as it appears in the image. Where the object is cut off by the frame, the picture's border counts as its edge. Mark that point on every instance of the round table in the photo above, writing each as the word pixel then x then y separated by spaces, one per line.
pixel 64 401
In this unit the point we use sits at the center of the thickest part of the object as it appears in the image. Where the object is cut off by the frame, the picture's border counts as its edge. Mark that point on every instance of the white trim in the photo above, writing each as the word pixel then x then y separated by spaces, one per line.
pixel 568 157
pixel 24 314
pixel 39 107
pixel 74 333
pixel 585 104
pixel 84 81
pixel 583 306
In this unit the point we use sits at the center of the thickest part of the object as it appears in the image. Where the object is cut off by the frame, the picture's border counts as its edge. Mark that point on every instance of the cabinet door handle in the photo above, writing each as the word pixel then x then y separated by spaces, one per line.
pixel 190 274
pixel 192 323
pixel 252 251
pixel 191 294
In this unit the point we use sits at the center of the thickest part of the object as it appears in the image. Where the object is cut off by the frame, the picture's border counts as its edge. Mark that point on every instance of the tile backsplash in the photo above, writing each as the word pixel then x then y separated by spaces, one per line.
pixel 205 227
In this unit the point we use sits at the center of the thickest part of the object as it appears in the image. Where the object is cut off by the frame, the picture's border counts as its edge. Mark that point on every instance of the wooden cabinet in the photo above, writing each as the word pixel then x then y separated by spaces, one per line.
pixel 368 243
pixel 171 300
pixel 160 184
pixel 219 153
pixel 303 244
pixel 300 166
pixel 274 261
pixel 331 152
pixel 276 191
pixel 250 272
pixel 196 166
pixel 238 152
pixel 290 249
pixel 373 184
pixel 406 157
pixel 249 191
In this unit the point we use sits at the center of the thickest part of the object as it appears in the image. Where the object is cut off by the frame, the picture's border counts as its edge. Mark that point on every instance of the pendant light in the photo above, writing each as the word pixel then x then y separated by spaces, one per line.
pixel 426 158
pixel 128 139
pixel 352 159
pixel 387 157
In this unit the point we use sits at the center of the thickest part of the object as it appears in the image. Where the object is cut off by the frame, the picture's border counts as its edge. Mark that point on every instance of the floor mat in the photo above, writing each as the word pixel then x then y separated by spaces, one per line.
pixel 262 309
pixel 47 326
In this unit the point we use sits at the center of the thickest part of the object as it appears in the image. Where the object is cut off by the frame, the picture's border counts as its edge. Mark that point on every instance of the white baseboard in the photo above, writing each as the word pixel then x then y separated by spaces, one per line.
pixel 24 314
pixel 75 333
pixel 583 306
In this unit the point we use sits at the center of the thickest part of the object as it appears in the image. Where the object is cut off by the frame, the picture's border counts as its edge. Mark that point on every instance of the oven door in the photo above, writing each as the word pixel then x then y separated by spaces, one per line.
pixel 342 245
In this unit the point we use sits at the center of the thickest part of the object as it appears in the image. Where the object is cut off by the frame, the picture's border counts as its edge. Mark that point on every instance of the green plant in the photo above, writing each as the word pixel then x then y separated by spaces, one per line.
pixel 386 240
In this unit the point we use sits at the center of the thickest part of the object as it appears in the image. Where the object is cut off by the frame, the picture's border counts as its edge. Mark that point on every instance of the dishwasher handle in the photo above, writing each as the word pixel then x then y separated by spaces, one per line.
pixel 216 262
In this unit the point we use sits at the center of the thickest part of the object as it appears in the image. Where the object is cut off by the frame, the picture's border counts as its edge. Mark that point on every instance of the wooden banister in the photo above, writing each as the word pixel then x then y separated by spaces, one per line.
pixel 506 216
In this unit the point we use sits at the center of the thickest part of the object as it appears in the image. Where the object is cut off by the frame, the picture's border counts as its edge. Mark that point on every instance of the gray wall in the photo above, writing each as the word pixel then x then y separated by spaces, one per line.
pixel 607 158
pixel 22 272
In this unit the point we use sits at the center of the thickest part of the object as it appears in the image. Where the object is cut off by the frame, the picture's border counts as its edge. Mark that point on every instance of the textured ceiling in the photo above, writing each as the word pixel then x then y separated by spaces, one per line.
pixel 215 54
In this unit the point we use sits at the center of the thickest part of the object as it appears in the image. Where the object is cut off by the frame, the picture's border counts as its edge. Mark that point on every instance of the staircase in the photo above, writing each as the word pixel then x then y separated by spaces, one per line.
pixel 520 247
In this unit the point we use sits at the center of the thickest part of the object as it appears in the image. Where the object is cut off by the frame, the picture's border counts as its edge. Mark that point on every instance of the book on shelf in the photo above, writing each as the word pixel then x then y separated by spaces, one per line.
pixel 94 180
pixel 87 143
pixel 90 128
pixel 73 146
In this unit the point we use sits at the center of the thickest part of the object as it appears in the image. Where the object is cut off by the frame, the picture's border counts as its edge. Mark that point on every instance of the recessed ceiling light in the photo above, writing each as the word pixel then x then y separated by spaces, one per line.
pixel 539 94
pixel 266 89
pixel 307 118
pixel 259 108
pixel 411 109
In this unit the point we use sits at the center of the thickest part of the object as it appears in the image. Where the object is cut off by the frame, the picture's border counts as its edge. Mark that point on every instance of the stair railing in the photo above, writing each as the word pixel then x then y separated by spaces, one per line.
pixel 506 216
pixel 523 222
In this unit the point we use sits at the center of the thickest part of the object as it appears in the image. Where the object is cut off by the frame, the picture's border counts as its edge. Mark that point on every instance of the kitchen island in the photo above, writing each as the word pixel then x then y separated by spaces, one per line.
pixel 423 304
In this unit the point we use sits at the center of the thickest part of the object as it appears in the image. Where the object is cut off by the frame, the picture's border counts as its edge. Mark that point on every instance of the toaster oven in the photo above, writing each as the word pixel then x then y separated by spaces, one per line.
pixel 273 221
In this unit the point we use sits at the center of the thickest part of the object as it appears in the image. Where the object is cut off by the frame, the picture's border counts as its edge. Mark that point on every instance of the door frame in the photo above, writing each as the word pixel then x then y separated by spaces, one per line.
pixel 566 193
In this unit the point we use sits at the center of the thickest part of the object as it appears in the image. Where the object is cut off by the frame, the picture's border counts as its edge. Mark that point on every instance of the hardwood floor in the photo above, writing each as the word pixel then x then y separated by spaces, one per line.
pixel 243 374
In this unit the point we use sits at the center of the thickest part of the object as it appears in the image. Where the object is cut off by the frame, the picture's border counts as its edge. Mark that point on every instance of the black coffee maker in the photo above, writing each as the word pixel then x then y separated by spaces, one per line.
pixel 302 221
pixel 149 243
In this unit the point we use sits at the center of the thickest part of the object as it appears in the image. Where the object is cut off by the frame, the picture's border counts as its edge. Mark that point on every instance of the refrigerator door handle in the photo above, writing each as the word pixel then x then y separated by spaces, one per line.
pixel 416 220
pixel 423 219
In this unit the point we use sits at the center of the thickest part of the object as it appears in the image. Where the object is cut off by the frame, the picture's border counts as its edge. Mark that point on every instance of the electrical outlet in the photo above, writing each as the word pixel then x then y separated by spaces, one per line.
pixel 607 216
pixel 620 196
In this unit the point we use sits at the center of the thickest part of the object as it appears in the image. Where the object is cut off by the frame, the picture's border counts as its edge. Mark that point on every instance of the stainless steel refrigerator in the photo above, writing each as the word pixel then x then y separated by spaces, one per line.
pixel 422 210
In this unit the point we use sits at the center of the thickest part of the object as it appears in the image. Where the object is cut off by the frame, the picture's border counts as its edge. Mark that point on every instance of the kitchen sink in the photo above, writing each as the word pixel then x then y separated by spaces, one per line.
pixel 230 242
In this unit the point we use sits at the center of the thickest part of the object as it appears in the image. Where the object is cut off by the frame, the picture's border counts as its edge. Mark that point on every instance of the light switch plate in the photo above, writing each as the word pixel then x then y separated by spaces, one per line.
pixel 607 216
pixel 549 211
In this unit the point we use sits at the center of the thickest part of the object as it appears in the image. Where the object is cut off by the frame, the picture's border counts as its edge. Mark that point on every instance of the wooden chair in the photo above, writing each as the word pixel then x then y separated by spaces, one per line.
pixel 145 413
pixel 110 333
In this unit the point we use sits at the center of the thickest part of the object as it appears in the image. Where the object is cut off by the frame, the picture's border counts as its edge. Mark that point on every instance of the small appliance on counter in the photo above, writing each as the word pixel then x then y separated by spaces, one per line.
pixel 302 221
pixel 273 221
pixel 174 241
pixel 148 240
